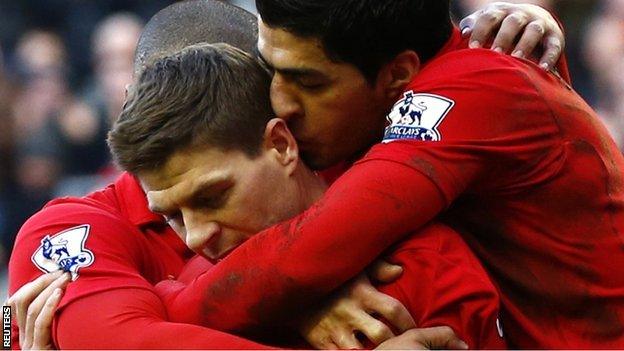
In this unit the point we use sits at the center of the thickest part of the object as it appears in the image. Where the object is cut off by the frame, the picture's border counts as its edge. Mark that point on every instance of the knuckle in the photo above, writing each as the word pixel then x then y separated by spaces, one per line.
pixel 446 330
pixel 516 19
pixel 491 16
pixel 554 45
pixel 380 332
pixel 31 314
pixel 393 308
pixel 536 27
pixel 467 21
pixel 498 5
pixel 39 323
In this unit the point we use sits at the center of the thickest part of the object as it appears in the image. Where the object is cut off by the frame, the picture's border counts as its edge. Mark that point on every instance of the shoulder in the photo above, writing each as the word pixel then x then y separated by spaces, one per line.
pixel 472 65
pixel 70 233
pixel 473 95
pixel 70 212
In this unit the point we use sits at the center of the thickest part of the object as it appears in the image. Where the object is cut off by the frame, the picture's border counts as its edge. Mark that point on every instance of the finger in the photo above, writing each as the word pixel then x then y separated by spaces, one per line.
pixel 439 338
pixel 376 331
pixel 510 28
pixel 37 305
pixel 484 26
pixel 533 34
pixel 43 325
pixel 26 294
pixel 553 50
pixel 346 340
pixel 391 309
pixel 468 23
pixel 384 272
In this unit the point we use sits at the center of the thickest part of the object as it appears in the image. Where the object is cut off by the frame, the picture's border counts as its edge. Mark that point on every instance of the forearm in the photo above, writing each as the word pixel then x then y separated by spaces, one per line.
pixel 289 266
pixel 134 319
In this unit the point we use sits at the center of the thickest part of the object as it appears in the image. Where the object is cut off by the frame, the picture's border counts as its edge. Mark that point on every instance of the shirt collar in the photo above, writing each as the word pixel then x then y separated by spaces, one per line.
pixel 133 202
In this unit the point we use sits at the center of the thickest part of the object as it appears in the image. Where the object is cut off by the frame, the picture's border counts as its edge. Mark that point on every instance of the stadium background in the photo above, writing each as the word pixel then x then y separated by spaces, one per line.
pixel 64 65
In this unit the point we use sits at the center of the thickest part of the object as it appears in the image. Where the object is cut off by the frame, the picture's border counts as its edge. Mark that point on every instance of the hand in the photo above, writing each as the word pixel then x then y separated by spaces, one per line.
pixel 538 25
pixel 335 324
pixel 381 271
pixel 425 339
pixel 33 306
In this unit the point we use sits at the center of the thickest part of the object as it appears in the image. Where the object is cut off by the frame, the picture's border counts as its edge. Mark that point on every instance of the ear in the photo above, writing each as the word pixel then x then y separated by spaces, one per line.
pixel 279 141
pixel 126 89
pixel 395 75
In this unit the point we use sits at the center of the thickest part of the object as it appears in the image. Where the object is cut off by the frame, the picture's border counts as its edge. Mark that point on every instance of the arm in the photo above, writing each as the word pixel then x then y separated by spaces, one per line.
pixel 133 319
pixel 293 264
pixel 394 190
pixel 120 305
pixel 444 284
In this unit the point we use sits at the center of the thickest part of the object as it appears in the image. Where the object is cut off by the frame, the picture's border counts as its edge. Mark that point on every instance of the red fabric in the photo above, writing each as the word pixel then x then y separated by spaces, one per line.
pixel 442 283
pixel 112 303
pixel 530 177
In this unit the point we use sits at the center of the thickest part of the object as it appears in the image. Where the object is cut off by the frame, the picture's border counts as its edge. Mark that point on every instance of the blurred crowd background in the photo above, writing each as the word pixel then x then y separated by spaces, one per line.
pixel 64 65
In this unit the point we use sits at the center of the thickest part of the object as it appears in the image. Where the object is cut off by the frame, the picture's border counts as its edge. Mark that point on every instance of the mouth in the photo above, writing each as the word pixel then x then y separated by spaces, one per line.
pixel 216 257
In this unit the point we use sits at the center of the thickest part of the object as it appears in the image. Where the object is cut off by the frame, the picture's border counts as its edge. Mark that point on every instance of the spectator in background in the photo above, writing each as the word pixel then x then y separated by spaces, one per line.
pixel 78 134
pixel 604 56
pixel 114 42
pixel 6 160
pixel 39 63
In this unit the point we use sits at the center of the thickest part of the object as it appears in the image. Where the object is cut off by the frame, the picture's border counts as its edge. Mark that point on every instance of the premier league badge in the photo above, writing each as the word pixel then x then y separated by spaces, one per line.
pixel 417 117
pixel 65 250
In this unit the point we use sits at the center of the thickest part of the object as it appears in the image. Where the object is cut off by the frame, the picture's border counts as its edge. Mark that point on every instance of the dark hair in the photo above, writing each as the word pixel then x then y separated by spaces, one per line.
pixel 365 33
pixel 205 95
pixel 191 22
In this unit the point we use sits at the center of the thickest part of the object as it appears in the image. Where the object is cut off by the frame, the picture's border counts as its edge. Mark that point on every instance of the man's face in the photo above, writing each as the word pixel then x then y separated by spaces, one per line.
pixel 217 199
pixel 332 110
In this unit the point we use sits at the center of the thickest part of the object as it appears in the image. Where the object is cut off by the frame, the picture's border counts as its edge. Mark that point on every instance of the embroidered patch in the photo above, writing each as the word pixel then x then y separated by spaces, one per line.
pixel 65 250
pixel 417 116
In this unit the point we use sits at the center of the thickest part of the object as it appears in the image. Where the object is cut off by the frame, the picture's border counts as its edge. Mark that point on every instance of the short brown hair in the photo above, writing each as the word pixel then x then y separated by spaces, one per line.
pixel 204 95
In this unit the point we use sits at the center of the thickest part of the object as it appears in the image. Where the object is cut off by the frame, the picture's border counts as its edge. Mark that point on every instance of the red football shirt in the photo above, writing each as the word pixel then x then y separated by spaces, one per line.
pixel 523 169
pixel 116 249
pixel 442 283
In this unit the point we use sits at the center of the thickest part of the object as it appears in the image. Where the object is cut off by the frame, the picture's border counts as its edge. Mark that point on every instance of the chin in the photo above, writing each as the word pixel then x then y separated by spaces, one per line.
pixel 215 258
pixel 317 162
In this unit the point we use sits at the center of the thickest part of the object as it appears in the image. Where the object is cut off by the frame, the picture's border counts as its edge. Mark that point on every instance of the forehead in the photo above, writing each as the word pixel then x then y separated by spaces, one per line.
pixel 282 48
pixel 185 171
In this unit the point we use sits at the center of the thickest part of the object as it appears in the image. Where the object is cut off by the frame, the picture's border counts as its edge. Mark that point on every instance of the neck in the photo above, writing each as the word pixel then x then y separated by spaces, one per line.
pixel 310 187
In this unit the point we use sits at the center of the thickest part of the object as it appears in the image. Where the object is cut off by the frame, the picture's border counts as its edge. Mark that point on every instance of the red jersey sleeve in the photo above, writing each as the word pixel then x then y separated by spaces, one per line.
pixel 110 304
pixel 474 121
pixel 288 267
pixel 134 319
pixel 443 284
pixel 496 122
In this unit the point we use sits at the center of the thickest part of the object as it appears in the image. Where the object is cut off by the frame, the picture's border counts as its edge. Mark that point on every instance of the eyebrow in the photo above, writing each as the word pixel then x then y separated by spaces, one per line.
pixel 293 72
pixel 199 185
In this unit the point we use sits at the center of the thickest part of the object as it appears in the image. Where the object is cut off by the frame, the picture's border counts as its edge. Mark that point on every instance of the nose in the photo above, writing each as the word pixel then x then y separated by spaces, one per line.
pixel 283 99
pixel 200 235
